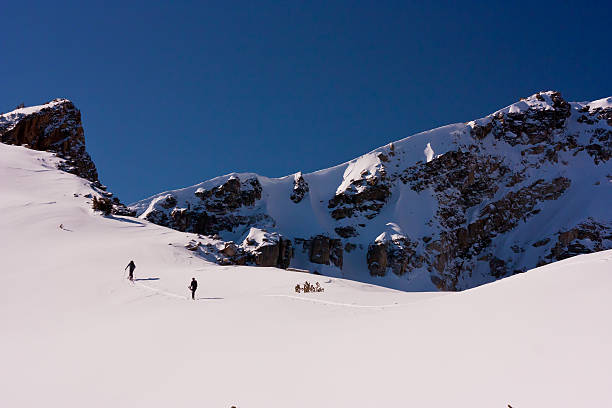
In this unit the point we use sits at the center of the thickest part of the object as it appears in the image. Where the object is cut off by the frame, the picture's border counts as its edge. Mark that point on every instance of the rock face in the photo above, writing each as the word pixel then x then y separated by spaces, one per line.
pixel 300 188
pixel 528 127
pixel 259 248
pixel 210 211
pixel 393 252
pixel 322 250
pixel 447 209
pixel 53 127
pixel 365 196
pixel 589 236
pixel 56 127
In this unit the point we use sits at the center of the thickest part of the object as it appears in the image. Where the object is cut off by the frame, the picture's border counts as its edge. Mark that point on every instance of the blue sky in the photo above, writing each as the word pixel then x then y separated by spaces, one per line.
pixel 175 93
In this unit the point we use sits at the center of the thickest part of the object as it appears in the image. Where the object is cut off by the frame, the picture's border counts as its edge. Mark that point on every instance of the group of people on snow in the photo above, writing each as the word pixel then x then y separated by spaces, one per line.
pixel 193 286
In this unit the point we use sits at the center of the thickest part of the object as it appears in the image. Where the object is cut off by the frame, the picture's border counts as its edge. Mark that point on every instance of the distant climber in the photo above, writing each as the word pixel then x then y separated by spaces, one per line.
pixel 132 266
pixel 192 287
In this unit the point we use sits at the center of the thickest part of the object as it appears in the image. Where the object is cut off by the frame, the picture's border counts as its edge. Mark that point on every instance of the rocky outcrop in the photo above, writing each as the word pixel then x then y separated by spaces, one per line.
pixel 532 125
pixel 365 196
pixel 457 250
pixel 346 232
pixel 460 180
pixel 459 206
pixel 397 254
pixel 230 195
pixel 56 127
pixel 260 248
pixel 377 259
pixel 300 188
pixel 53 127
pixel 211 211
pixel 584 238
pixel 322 250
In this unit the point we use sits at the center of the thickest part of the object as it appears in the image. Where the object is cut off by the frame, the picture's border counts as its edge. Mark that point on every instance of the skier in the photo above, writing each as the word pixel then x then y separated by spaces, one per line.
pixel 132 266
pixel 192 287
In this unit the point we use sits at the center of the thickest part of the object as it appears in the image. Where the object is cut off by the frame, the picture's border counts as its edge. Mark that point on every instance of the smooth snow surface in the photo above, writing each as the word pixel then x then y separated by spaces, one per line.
pixel 76 333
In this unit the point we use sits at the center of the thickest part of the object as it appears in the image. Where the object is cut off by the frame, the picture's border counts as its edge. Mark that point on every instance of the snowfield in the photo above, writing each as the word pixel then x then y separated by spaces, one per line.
pixel 76 333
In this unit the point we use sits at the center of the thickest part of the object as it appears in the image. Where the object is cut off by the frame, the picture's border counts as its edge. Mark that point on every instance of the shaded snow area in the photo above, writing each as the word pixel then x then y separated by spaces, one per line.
pixel 76 333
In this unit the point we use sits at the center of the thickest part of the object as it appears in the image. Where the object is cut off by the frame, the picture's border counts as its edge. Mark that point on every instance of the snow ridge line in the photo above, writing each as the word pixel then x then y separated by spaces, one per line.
pixel 327 302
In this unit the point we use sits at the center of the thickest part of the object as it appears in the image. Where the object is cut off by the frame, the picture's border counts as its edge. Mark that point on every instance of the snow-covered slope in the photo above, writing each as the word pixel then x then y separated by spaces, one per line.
pixel 450 208
pixel 76 333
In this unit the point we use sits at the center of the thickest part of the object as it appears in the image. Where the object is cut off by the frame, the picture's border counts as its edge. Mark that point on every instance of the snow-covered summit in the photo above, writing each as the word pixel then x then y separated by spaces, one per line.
pixel 56 127
pixel 539 101
pixel 10 119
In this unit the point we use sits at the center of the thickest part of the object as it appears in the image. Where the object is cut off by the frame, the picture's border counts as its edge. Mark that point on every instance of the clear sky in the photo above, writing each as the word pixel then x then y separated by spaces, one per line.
pixel 173 93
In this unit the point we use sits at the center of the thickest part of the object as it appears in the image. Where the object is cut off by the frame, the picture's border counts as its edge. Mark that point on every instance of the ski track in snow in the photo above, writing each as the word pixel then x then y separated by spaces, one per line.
pixel 327 302
pixel 320 301
pixel 162 292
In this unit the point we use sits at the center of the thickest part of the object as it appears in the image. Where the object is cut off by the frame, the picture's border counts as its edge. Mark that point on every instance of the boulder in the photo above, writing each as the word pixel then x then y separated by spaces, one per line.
pixel 377 259
pixel 326 251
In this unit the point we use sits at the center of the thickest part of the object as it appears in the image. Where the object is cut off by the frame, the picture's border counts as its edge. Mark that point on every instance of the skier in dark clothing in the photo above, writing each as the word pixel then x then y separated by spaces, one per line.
pixel 192 287
pixel 132 266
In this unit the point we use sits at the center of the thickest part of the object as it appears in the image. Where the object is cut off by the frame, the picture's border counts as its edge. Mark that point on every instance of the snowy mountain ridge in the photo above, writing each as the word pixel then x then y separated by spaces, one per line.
pixel 81 335
pixel 454 207
pixel 447 209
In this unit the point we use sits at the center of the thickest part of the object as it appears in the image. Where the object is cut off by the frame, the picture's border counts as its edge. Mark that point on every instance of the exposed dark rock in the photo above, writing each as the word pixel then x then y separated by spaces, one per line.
pixel 215 211
pixel 348 247
pixel 56 128
pixel 230 195
pixel 300 188
pixel 266 255
pixel 532 126
pixel 169 202
pixel 584 238
pixel 323 250
pixel 285 253
pixel 541 242
pixel 398 254
pixel 230 249
pixel 365 196
pixel 460 180
pixel 346 232
pixel 320 250
pixel 193 245
pixel 377 259
pixel 369 201
pixel 453 253
pixel 259 248
pixel 498 268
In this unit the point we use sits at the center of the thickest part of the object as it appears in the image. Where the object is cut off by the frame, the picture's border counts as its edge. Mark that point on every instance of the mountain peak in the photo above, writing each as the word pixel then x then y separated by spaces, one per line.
pixel 55 127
